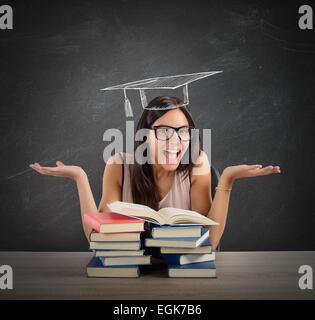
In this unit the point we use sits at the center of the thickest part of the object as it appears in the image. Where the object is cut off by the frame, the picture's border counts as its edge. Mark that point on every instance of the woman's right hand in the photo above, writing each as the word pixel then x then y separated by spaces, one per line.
pixel 61 170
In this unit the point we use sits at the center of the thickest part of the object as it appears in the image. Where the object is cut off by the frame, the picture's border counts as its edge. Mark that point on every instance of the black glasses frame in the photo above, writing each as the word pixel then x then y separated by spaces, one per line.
pixel 174 129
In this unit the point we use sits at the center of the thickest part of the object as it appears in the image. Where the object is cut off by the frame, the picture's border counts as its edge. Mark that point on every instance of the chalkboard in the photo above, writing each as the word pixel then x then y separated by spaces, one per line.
pixel 260 109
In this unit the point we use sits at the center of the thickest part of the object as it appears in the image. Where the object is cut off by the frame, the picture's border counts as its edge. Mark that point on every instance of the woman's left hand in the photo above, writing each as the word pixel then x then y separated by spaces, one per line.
pixel 230 174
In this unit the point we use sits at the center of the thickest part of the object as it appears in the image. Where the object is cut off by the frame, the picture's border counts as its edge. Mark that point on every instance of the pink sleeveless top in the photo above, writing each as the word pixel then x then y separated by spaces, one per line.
pixel 177 197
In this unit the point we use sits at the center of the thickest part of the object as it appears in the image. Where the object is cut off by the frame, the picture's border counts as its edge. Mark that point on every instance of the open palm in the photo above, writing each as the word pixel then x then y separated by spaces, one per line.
pixel 244 171
pixel 61 170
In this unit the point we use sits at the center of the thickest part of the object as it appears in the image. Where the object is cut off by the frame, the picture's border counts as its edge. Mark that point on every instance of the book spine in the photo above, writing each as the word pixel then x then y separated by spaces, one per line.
pixel 92 223
pixel 171 259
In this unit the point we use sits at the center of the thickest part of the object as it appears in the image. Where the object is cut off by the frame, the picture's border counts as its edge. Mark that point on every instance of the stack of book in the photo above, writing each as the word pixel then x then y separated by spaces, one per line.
pixel 115 241
pixel 186 250
pixel 183 242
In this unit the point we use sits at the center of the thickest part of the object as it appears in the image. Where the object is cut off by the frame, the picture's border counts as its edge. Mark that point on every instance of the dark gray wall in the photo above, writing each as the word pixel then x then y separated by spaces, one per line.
pixel 261 109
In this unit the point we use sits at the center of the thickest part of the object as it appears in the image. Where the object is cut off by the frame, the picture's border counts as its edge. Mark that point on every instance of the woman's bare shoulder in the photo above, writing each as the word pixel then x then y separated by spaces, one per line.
pixel 117 158
pixel 120 158
pixel 202 166
pixel 113 169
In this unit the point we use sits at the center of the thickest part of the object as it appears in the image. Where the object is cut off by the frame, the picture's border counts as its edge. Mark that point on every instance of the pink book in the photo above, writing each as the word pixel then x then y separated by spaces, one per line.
pixel 111 222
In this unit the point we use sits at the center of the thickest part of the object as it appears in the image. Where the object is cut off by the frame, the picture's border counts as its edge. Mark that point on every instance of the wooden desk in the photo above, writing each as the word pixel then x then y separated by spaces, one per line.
pixel 241 275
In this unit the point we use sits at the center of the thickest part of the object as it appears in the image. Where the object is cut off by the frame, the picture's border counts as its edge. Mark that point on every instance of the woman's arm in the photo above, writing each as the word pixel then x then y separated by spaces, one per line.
pixel 111 191
pixel 87 202
pixel 111 185
pixel 112 179
pixel 201 199
pixel 201 186
pixel 219 210
pixel 220 204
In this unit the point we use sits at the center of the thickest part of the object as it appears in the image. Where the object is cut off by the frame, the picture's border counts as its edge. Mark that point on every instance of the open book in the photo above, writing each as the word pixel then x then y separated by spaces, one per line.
pixel 165 216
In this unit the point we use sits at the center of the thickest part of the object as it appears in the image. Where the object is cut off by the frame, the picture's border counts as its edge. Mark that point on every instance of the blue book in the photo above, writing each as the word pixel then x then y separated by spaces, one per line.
pixel 95 268
pixel 205 247
pixel 193 270
pixel 125 261
pixel 181 259
pixel 192 231
pixel 178 242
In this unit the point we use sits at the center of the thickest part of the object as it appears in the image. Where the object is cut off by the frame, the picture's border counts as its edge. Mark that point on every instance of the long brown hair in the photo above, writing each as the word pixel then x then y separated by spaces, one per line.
pixel 143 186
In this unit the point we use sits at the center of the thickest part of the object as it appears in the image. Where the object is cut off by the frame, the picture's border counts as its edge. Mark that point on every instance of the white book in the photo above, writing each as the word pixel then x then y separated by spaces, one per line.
pixel 176 232
pixel 134 245
pixel 118 253
pixel 178 242
pixel 164 216
pixel 121 236
pixel 200 250
pixel 125 261
pixel 192 273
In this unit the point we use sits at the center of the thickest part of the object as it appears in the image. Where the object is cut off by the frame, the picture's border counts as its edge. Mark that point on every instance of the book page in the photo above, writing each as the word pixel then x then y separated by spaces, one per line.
pixel 134 210
pixel 175 215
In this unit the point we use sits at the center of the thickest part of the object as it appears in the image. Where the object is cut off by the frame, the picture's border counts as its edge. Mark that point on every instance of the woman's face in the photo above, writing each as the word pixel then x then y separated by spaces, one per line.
pixel 168 153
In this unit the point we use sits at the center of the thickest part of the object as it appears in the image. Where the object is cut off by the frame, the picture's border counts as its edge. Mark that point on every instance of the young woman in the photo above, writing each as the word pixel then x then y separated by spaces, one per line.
pixel 165 180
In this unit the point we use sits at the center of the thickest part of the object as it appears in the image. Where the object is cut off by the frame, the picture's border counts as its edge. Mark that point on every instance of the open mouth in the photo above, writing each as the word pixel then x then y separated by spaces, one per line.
pixel 172 155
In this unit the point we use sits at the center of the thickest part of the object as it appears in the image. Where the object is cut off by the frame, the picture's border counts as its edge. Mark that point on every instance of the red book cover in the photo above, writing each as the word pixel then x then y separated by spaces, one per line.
pixel 96 219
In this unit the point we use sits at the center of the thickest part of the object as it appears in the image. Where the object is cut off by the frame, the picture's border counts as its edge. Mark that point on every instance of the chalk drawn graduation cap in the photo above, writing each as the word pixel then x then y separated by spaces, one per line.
pixel 169 82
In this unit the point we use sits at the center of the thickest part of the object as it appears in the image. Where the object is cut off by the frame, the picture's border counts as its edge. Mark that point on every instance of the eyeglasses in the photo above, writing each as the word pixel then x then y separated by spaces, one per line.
pixel 166 132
